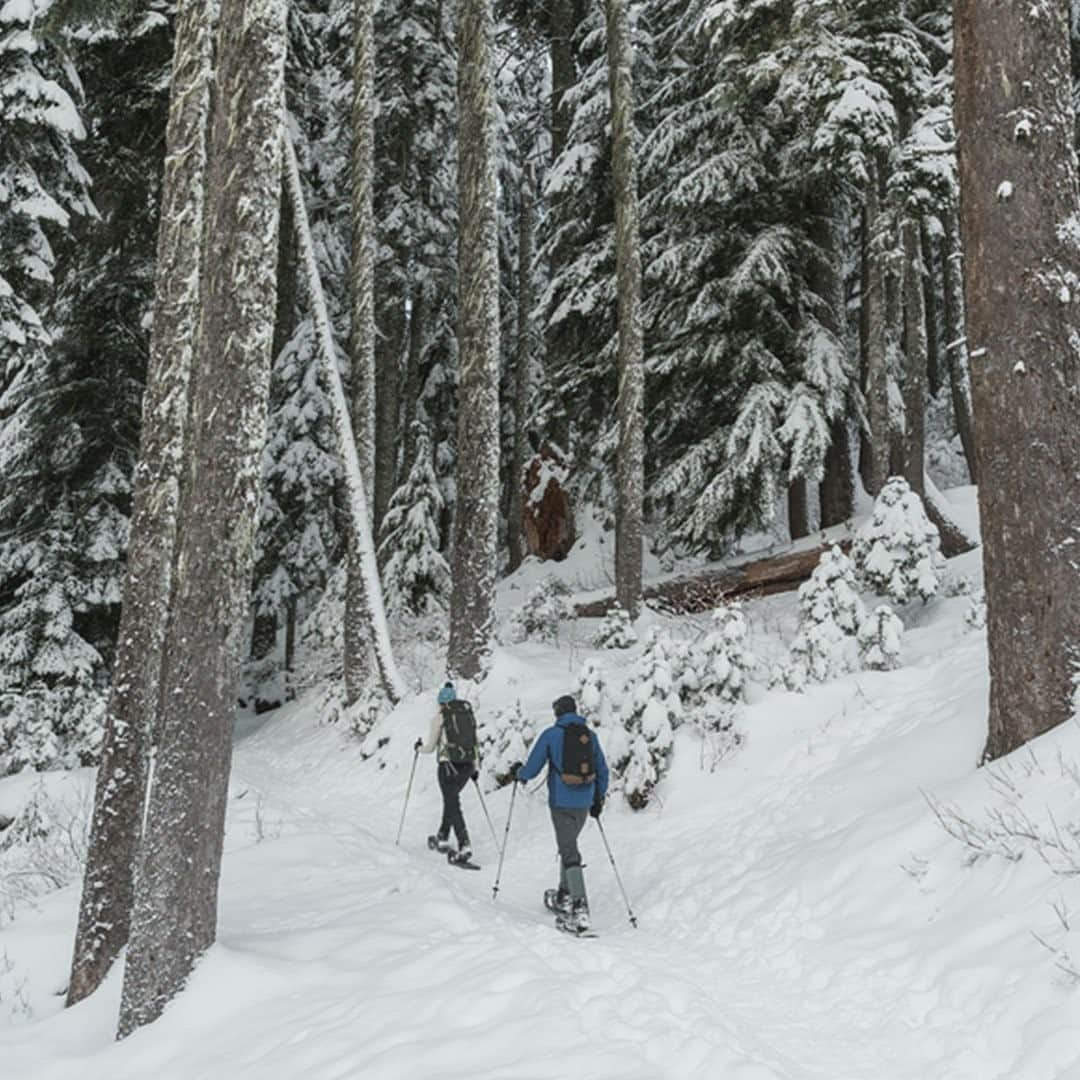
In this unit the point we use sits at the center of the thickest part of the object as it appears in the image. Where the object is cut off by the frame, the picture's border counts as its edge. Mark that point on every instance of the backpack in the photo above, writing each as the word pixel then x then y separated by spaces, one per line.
pixel 459 731
pixel 578 756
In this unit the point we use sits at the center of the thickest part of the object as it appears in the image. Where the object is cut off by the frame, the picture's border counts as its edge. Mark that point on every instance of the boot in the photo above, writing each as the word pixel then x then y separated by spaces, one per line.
pixel 557 900
pixel 579 914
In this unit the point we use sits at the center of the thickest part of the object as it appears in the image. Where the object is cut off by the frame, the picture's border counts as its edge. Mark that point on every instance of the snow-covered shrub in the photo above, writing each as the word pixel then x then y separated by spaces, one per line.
pixel 415 576
pixel 830 613
pixel 43 728
pixel 505 737
pixel 616 631
pixel 654 712
pixel 543 611
pixel 600 703
pixel 44 848
pixel 975 614
pixel 898 551
pixel 881 635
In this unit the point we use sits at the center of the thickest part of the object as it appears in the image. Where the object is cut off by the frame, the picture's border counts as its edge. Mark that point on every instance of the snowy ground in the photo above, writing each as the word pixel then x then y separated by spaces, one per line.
pixel 802 912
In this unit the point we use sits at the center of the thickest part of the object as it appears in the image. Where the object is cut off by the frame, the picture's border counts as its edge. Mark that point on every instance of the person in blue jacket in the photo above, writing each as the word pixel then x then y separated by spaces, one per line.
pixel 577 785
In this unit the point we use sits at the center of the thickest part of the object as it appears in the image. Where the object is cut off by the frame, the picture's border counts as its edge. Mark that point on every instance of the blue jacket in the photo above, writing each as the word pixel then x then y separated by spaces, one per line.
pixel 548 750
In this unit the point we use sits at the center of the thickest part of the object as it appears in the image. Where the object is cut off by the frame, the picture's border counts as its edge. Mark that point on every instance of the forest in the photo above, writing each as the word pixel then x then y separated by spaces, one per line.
pixel 715 362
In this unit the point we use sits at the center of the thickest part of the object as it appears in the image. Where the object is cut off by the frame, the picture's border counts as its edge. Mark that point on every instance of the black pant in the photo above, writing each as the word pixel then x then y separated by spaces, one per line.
pixel 452 778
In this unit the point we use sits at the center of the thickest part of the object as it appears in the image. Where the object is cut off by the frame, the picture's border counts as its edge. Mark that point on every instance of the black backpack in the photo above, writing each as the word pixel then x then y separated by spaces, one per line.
pixel 578 755
pixel 459 731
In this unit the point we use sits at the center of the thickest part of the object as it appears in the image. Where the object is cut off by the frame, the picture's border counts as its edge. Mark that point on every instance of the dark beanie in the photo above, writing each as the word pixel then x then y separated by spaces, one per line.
pixel 563 705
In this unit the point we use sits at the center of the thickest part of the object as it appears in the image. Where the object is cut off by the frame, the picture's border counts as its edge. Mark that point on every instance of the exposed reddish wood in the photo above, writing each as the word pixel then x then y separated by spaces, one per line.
pixel 705 591
pixel 547 515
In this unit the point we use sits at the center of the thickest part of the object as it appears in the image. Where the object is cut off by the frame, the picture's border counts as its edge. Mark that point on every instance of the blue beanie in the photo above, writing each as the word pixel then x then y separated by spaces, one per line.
pixel 446 694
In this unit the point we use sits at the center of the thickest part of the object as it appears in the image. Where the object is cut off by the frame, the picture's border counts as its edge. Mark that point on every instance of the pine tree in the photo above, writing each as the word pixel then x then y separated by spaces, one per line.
pixel 1018 176
pixel 880 639
pixel 175 913
pixel 416 577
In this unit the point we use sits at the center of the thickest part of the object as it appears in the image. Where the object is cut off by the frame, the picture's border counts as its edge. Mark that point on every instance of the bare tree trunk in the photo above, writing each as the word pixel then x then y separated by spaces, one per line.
pixel 932 280
pixel 798 509
pixel 175 915
pixel 476 515
pixel 387 404
pixel 915 358
pixel 413 387
pixel 522 372
pixel 564 20
pixel 875 303
pixel 837 491
pixel 956 342
pixel 362 334
pixel 1015 121
pixel 630 480
pixel 361 544
pixel 105 910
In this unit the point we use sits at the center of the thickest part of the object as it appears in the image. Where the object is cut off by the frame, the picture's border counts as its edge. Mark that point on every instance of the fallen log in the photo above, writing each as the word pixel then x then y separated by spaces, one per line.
pixel 709 589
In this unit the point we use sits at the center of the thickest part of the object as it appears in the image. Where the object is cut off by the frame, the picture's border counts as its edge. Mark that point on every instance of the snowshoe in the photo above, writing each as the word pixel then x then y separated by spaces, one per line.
pixel 575 922
pixel 462 859
pixel 557 900
pixel 439 844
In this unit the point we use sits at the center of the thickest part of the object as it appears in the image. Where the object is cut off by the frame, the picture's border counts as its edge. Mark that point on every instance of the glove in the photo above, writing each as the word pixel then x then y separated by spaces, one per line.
pixel 514 770
pixel 597 808
pixel 418 744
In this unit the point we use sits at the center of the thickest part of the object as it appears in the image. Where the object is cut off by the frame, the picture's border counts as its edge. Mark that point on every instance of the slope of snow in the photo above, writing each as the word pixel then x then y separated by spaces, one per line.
pixel 802 913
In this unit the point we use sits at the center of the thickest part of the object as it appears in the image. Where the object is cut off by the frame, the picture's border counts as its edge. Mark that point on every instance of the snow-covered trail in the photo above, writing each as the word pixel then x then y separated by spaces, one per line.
pixel 802 915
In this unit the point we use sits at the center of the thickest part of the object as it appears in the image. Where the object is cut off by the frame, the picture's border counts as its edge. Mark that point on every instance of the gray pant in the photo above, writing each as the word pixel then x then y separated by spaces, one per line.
pixel 568 825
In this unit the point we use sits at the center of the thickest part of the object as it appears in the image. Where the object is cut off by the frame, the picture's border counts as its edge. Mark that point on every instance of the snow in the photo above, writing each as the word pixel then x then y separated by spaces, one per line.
pixel 802 913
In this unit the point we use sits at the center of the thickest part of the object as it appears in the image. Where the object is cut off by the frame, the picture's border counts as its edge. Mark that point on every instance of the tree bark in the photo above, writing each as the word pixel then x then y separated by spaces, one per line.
pixel 837 489
pixel 387 405
pixel 875 463
pixel 956 342
pixel 564 20
pixel 175 915
pixel 105 910
pixel 1019 196
pixel 798 509
pixel 522 372
pixel 915 357
pixel 362 334
pixel 630 479
pixel 476 514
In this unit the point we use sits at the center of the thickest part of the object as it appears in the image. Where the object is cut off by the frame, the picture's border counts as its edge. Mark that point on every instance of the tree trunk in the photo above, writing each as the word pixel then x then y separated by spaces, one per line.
pixel 956 342
pixel 387 404
pixel 362 334
pixel 105 910
pixel 630 478
pixel 369 600
pixel 413 385
pixel 875 462
pixel 522 372
pixel 935 367
pixel 564 19
pixel 175 915
pixel 476 514
pixel 798 509
pixel 915 358
pixel 837 489
pixel 1015 121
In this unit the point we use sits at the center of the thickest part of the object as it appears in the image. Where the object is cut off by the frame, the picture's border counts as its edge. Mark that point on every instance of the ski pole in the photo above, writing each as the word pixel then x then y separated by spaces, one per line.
pixel 408 792
pixel 506 836
pixel 483 803
pixel 626 899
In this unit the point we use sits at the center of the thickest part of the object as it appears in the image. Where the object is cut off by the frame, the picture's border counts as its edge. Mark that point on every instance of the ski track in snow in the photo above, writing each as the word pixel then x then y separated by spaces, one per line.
pixel 802 915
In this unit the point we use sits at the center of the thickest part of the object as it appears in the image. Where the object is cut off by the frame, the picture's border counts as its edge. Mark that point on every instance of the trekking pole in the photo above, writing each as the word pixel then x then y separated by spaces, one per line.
pixel 506 836
pixel 408 792
pixel 626 899
pixel 483 803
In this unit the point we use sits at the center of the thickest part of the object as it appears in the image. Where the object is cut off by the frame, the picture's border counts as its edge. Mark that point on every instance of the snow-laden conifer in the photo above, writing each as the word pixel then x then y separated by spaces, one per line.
pixel 898 551
pixel 881 636
pixel 652 712
pixel 616 631
pixel 541 614
pixel 830 613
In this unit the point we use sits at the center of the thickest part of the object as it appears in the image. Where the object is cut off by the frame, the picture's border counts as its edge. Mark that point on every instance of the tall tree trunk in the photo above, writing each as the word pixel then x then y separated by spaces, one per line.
pixel 915 357
pixel 522 372
pixel 565 15
pixel 362 334
pixel 387 404
pixel 476 514
pixel 798 509
pixel 875 302
pixel 932 278
pixel 956 342
pixel 361 543
pixel 105 910
pixel 1015 121
pixel 413 386
pixel 837 490
pixel 630 479
pixel 175 915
